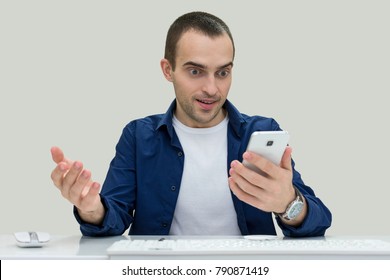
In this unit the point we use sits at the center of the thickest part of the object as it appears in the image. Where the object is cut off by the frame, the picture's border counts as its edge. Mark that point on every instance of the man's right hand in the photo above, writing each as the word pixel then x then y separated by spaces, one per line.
pixel 76 185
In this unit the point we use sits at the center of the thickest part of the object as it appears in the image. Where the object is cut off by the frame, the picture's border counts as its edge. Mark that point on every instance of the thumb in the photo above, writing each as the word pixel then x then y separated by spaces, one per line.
pixel 286 159
pixel 58 155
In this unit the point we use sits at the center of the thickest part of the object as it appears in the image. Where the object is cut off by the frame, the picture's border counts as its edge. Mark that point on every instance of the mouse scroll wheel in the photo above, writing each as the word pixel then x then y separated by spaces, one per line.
pixel 33 237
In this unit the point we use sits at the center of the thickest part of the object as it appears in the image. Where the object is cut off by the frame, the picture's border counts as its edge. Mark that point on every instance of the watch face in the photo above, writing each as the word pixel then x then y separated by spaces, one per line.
pixel 294 210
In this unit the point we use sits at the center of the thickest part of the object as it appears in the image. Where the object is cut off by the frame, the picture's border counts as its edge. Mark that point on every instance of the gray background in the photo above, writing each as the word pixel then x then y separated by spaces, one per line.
pixel 74 73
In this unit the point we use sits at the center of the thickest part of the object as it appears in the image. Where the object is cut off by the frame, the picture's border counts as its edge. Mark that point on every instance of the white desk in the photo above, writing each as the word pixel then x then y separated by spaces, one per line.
pixel 59 247
pixel 78 247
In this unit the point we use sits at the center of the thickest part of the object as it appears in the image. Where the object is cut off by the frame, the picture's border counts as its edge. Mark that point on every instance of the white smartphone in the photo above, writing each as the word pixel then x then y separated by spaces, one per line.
pixel 269 144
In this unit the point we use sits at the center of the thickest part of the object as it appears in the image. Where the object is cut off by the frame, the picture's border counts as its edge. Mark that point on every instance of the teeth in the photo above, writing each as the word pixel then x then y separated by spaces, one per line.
pixel 206 102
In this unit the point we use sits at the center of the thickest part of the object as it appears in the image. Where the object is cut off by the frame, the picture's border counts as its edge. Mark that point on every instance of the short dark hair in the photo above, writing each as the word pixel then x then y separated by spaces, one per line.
pixel 205 23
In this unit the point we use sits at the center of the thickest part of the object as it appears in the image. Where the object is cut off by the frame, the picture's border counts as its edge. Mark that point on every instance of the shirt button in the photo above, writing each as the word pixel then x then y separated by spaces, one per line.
pixel 164 225
pixel 180 153
pixel 173 188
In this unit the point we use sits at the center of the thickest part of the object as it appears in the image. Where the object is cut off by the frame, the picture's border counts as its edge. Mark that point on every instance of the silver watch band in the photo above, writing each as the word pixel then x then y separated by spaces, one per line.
pixel 298 199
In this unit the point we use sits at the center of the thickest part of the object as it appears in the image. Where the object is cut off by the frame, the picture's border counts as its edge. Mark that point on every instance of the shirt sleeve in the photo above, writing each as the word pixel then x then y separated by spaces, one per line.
pixel 118 191
pixel 318 217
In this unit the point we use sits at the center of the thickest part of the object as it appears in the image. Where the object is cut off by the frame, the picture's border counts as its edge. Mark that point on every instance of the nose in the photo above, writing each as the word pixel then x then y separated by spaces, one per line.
pixel 210 85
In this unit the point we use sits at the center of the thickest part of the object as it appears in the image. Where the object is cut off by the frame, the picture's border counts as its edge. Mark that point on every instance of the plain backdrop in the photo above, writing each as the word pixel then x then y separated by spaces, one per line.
pixel 74 73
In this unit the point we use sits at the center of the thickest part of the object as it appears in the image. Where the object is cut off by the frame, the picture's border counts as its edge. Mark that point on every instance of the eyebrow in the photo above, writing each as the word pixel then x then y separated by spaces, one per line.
pixel 191 63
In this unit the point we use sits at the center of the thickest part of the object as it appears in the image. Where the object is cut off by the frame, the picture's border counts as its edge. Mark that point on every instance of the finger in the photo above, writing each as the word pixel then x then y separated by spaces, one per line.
pixel 249 181
pixel 90 199
pixel 286 159
pixel 252 177
pixel 71 177
pixel 244 196
pixel 262 163
pixel 93 191
pixel 58 173
pixel 57 154
pixel 80 187
pixel 83 193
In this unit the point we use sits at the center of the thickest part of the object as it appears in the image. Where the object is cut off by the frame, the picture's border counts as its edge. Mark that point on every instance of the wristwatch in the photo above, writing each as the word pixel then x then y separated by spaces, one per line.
pixel 294 208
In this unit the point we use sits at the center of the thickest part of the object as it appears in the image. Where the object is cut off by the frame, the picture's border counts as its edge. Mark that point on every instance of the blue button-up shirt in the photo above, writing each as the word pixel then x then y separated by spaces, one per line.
pixel 143 181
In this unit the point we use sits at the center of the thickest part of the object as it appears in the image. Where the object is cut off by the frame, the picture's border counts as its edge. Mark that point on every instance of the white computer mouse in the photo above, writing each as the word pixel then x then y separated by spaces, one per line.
pixel 31 238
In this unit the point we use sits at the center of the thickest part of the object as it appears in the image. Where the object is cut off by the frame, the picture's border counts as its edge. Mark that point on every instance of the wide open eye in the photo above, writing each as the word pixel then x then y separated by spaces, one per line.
pixel 194 71
pixel 223 73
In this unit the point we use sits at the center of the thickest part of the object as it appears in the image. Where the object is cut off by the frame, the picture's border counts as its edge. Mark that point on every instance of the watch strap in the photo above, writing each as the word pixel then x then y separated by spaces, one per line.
pixel 298 199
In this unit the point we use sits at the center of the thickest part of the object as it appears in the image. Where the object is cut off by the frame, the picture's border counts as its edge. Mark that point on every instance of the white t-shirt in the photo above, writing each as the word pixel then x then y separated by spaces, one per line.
pixel 204 205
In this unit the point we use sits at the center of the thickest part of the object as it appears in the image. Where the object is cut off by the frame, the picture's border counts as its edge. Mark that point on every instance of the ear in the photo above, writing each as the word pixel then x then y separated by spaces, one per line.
pixel 166 69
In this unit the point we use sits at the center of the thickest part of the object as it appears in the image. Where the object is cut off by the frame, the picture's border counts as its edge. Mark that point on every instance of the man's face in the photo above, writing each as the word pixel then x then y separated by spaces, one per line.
pixel 202 78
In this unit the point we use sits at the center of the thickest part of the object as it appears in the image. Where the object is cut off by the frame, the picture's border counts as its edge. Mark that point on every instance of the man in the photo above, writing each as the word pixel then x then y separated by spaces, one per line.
pixel 181 172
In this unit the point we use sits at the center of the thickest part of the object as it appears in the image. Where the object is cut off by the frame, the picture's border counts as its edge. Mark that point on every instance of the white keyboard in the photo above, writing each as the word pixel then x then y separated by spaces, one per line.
pixel 246 246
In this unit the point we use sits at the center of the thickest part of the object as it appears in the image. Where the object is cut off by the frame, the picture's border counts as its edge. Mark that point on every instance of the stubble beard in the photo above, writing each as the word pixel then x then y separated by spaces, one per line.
pixel 201 117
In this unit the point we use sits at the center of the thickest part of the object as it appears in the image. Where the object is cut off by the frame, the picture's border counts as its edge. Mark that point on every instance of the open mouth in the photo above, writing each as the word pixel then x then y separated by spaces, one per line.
pixel 208 102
